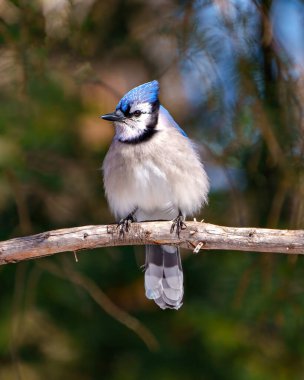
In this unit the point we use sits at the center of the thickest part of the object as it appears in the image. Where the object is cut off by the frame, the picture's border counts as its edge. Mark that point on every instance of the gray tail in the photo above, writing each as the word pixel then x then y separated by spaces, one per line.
pixel 164 276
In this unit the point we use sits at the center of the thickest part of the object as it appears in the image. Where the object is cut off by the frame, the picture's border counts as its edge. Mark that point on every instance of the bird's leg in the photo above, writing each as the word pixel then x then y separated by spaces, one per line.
pixel 124 224
pixel 178 223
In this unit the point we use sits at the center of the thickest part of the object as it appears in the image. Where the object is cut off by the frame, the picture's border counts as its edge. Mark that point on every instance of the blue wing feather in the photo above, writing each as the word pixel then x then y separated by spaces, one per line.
pixel 181 130
pixel 173 122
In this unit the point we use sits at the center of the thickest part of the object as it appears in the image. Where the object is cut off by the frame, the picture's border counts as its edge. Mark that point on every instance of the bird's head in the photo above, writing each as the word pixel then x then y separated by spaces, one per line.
pixel 136 114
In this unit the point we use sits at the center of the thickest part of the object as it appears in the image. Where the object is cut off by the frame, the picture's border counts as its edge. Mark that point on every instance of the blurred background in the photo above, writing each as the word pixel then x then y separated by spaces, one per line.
pixel 232 75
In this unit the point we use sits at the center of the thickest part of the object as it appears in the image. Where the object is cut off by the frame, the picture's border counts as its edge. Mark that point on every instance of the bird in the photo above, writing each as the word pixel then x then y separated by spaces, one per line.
pixel 152 171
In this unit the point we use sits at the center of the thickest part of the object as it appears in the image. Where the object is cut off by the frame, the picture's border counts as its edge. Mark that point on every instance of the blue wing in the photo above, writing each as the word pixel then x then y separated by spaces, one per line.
pixel 173 122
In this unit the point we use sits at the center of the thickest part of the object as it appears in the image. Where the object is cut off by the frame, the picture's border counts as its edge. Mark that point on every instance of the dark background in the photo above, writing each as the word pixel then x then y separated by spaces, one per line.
pixel 231 73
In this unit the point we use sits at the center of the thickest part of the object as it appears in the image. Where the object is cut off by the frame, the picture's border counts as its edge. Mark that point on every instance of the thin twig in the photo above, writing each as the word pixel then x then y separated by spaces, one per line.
pixel 104 302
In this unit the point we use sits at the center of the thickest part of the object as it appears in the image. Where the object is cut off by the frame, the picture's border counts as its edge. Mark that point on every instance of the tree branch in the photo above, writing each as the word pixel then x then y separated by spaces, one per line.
pixel 196 235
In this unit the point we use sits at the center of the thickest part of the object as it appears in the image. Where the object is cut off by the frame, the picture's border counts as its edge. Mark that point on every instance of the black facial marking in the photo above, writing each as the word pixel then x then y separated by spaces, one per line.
pixel 155 107
pixel 154 115
pixel 126 111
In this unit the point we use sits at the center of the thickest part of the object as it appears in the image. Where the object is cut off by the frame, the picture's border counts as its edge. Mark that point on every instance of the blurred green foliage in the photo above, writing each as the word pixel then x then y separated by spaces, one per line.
pixel 235 89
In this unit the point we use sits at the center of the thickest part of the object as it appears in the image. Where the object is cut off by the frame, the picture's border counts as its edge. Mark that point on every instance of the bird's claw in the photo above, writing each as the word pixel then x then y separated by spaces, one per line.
pixel 124 225
pixel 179 224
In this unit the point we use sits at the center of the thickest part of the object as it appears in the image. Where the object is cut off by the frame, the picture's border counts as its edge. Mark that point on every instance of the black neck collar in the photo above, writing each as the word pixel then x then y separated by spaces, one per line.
pixel 145 136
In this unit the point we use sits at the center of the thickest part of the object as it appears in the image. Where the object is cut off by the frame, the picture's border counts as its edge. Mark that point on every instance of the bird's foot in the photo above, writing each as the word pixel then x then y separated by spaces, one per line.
pixel 178 224
pixel 124 224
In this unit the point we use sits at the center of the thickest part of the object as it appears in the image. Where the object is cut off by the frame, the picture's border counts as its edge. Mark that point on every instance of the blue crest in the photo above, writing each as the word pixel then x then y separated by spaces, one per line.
pixel 145 93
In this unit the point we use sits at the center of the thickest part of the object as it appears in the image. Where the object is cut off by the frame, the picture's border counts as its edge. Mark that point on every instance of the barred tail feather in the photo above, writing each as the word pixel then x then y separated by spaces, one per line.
pixel 164 276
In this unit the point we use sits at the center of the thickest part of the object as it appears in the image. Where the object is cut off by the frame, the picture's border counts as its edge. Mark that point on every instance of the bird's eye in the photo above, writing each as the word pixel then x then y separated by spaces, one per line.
pixel 137 113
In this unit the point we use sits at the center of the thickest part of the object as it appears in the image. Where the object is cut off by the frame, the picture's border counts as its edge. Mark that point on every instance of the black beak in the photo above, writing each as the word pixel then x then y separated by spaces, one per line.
pixel 112 116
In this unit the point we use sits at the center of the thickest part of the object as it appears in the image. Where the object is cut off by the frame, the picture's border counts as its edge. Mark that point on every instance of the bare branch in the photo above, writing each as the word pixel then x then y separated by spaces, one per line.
pixel 200 235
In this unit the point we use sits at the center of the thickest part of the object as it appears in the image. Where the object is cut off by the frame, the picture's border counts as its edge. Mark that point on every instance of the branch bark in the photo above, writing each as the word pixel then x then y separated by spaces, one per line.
pixel 196 235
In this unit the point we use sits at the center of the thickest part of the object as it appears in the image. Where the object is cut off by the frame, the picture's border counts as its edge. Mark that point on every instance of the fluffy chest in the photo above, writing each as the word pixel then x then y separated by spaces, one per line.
pixel 136 176
pixel 148 179
pixel 139 164
pixel 147 174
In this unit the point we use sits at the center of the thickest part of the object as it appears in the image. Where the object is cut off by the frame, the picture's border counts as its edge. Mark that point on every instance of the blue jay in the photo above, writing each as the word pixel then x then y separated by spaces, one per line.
pixel 153 172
